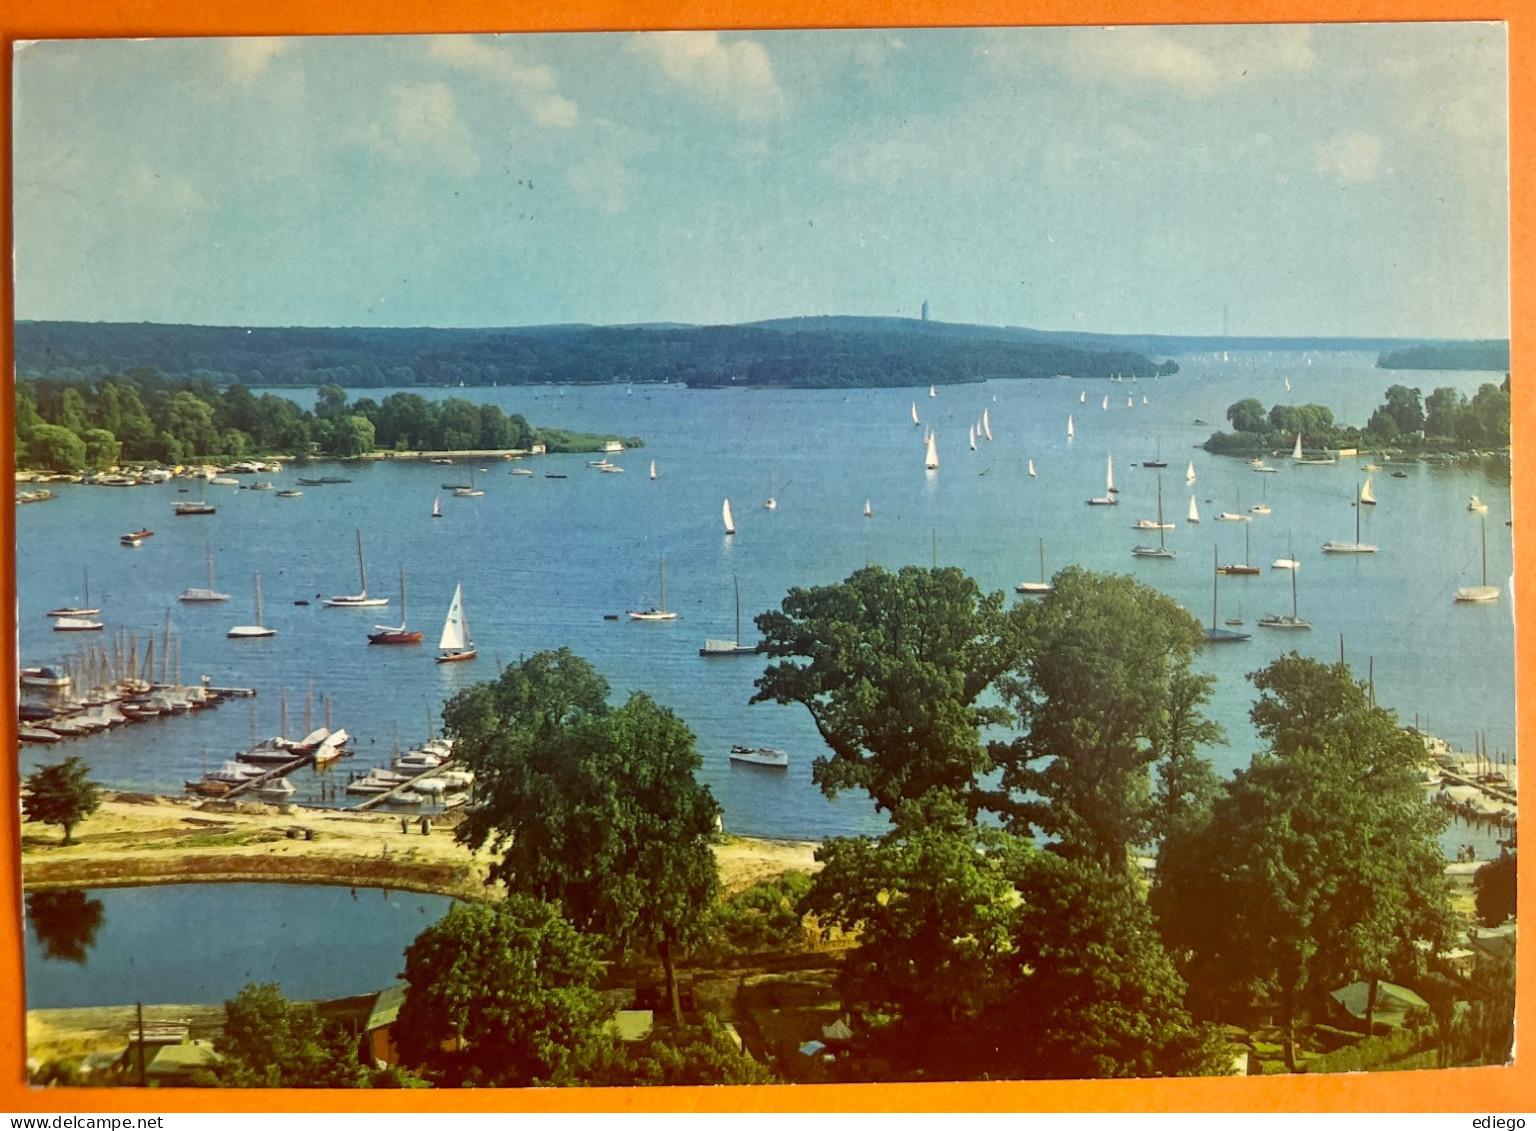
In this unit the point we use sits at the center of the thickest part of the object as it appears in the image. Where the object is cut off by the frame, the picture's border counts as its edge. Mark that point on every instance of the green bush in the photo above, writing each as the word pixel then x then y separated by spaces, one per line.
pixel 1373 1052
pixel 765 915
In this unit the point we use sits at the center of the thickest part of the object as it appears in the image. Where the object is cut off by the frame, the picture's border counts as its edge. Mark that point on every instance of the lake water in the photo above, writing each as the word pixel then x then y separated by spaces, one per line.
pixel 543 560
pixel 201 943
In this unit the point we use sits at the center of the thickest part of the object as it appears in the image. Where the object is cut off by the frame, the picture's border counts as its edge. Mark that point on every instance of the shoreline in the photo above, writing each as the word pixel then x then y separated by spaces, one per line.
pixel 141 840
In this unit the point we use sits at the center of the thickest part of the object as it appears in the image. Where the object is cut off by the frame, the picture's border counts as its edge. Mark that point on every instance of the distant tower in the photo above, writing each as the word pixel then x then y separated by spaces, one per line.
pixel 925 310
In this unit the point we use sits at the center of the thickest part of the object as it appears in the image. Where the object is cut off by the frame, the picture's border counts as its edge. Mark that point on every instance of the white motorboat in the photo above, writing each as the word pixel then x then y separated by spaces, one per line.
pixel 760 756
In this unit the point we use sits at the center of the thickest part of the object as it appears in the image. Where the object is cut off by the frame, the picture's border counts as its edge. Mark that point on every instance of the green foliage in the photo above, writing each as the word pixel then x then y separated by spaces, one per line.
pixel 55 448
pixel 594 808
pixel 65 922
pixel 1495 886
pixel 1377 1052
pixel 270 1042
pixel 1485 1033
pixel 102 449
pixel 501 994
pixel 892 668
pixel 766 916
pixel 60 794
pixel 689 1056
pixel 1493 354
pixel 1247 415
pixel 1104 693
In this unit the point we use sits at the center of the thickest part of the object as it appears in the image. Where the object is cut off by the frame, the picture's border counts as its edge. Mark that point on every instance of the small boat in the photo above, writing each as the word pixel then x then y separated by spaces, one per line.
pixel 437 506
pixel 521 471
pixel 1041 586
pixel 1370 467
pixel 1105 405
pixel 659 610
pixel 1280 620
pixel 1318 461
pixel 1069 426
pixel 1108 498
pixel 1130 402
pixel 725 517
pixel 76 624
pixel 1161 550
pixel 1367 496
pixel 330 479
pixel 915 420
pixel 1480 593
pixel 290 493
pixel 45 677
pixel 252 631
pixel 1355 547
pixel 131 540
pixel 190 507
pixel 469 492
pixel 1194 511
pixel 210 594
pixel 279 789
pixel 1082 397
pixel 653 470
pixel 869 511
pixel 932 391
pixel 553 475
pixel 435 459
pixel 986 424
pixel 263 485
pixel 395 634
pixel 141 533
pixel 1031 469
pixel 1404 475
pixel 1215 635
pixel 931 459
pixel 971 436
pixel 611 469
pixel 28 733
pixel 456 644
pixel 733 646
pixel 1189 474
pixel 1158 460
pixel 317 482
pixel 760 756
pixel 360 599
pixel 1289 561
pixel 1246 569
pixel 224 481
pixel 1476 505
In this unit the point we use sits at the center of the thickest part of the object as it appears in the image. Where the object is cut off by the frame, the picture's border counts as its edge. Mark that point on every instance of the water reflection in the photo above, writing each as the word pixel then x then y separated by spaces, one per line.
pixel 65 923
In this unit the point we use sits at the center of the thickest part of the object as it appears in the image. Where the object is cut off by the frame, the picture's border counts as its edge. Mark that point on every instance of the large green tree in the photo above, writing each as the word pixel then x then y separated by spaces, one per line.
pixel 893 667
pixel 60 794
pixel 57 449
pixel 503 994
pixel 1319 863
pixel 271 1042
pixel 1105 693
pixel 594 808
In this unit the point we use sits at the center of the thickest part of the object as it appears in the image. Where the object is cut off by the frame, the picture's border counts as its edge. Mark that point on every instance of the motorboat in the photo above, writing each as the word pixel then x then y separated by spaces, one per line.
pixel 760 756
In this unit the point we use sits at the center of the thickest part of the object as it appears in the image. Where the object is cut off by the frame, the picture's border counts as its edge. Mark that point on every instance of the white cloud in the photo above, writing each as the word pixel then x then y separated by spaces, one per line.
pixel 532 85
pixel 599 182
pixel 164 191
pixel 1192 61
pixel 245 59
pixel 425 127
pixel 886 163
pixel 735 76
pixel 1350 156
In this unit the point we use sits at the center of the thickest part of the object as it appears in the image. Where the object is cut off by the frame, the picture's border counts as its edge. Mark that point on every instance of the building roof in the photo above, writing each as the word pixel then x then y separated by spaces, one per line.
pixel 1392 1001
pixel 631 1024
pixel 386 1007
pixel 176 1060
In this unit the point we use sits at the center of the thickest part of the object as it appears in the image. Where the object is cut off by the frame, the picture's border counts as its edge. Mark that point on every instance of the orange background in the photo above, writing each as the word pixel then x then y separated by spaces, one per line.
pixel 1481 1090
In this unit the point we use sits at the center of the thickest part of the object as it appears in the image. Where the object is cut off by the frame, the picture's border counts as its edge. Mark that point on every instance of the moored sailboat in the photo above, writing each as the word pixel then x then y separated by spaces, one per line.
pixel 1355 547
pixel 1161 550
pixel 395 634
pixel 733 646
pixel 84 609
pixel 360 599
pixel 1484 592
pixel 1215 634
pixel 1280 620
pixel 1041 586
pixel 252 631
pixel 210 593
pixel 658 611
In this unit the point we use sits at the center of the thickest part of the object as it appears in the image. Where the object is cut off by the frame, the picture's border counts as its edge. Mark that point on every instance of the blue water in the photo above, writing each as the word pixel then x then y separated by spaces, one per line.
pixel 205 942
pixel 542 560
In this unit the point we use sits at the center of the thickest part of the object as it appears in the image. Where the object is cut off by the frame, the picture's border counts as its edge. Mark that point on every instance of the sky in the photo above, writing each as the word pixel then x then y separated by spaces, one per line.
pixel 1274 180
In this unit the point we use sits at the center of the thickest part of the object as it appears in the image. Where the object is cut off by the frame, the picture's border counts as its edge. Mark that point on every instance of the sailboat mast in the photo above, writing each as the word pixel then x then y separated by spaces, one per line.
pixel 258 600
pixel 1215 579
pixel 362 569
pixel 736 585
pixel 209 548
pixel 1485 550
pixel 402 598
pixel 1161 544
pixel 663 582
pixel 1295 612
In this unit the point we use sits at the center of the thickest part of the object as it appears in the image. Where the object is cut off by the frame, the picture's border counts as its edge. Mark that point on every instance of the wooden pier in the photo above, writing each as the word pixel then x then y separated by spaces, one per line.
pixel 380 798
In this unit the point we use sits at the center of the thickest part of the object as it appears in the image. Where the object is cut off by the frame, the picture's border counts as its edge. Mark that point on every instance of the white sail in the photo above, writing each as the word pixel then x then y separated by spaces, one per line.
pixel 1288 380
pixel 869 511
pixel 986 424
pixel 1082 398
pixel 1367 496
pixel 1069 425
pixel 1189 475
pixel 1031 469
pixel 725 515
pixel 1296 453
pixel 653 469
pixel 915 420
pixel 1194 511
pixel 1130 402
pixel 931 462
pixel 971 433
pixel 1106 403
pixel 454 634
pixel 1110 476
pixel 932 392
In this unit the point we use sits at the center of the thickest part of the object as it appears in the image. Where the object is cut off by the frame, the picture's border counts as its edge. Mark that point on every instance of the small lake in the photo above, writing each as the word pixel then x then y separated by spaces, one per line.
pixel 202 943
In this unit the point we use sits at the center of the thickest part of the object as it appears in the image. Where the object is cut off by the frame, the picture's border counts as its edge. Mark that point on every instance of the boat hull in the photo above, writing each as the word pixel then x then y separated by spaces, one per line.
pixel 394 637
pixel 249 632
pixel 1284 622
pixel 457 657
pixel 761 756
pixel 1348 548
pixel 1474 594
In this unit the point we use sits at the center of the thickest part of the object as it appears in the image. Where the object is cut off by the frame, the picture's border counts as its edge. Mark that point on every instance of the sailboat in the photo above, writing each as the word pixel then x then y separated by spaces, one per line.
pixel 733 646
pixel 869 511
pixel 932 392
pixel 395 634
pixel 1194 511
pixel 1105 406
pixel 1161 550
pixel 1289 561
pixel 1069 425
pixel 658 611
pixel 210 593
pixel 1299 459
pixel 772 503
pixel 1189 474
pixel 1159 461
pixel 1474 504
pixel 931 460
pixel 1355 547
pixel 1031 469
pixel 971 435
pixel 1262 506
pixel 1041 586
pixel 84 609
pixel 470 492
pixel 725 516
pixel 1367 496
pixel 1130 402
pixel 986 424
pixel 1108 498
pixel 1280 620
pixel 456 644
pixel 1214 634
pixel 360 599
pixel 916 422
pixel 1483 592
pixel 653 469
pixel 1246 569
pixel 1082 398
pixel 251 631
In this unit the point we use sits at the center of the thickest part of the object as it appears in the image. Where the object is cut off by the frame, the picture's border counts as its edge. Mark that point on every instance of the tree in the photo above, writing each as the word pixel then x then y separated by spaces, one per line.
pixel 188 421
pixel 270 1042
pixel 503 995
pixel 353 436
pixel 690 1056
pixel 27 417
pixel 1494 884
pixel 61 794
pixel 1319 863
pixel 1442 409
pixel 57 449
pixel 1403 406
pixel 1247 415
pixel 593 808
pixel 72 413
pixel 894 666
pixel 101 448
pixel 1104 692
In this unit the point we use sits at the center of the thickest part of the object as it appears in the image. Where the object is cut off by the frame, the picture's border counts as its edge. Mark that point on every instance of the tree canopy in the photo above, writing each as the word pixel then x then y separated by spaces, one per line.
pixel 60 794
pixel 270 1042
